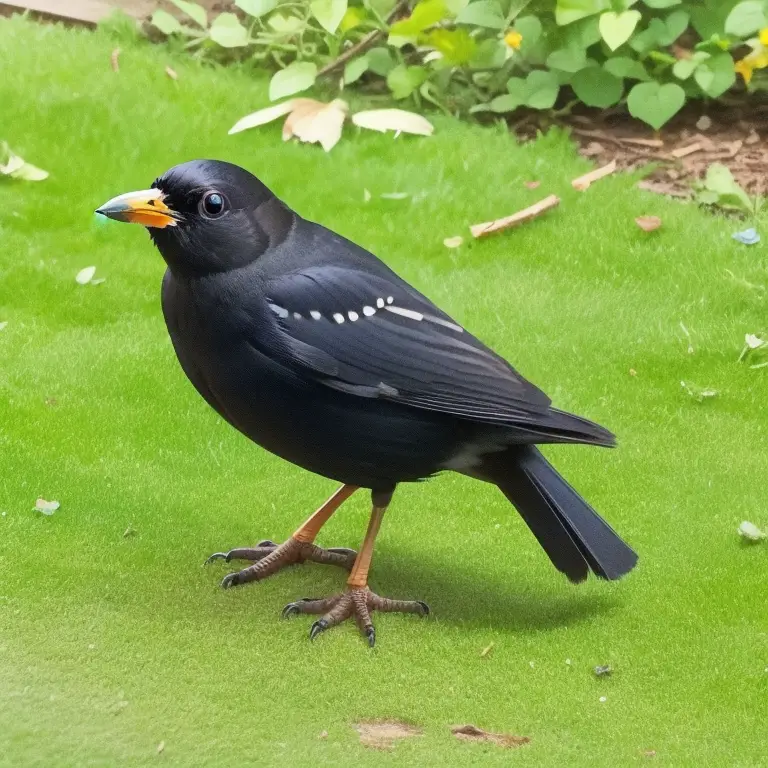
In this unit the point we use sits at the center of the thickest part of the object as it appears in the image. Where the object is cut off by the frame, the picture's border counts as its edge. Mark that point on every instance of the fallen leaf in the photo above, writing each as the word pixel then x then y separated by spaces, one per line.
pixel 685 151
pixel 649 753
pixel 114 59
pixel 473 733
pixel 486 651
pixel 753 137
pixel 171 73
pixel 700 394
pixel 3 324
pixel 603 670
pixel 533 184
pixel 632 372
pixel 394 195
pixel 583 182
pixel 747 236
pixel 648 223
pixel 266 115
pixel 46 507
pixel 453 242
pixel 603 699
pixel 85 275
pixel 383 734
pixel 393 120
pixel 753 341
pixel 14 166
pixel 751 532
pixel 366 196
pixel 317 123
pixel 160 747
pixel 322 735
pixel 128 532
pixel 489 227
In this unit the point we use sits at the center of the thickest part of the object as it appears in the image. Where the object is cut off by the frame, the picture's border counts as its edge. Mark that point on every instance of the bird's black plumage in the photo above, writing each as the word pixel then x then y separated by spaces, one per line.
pixel 316 350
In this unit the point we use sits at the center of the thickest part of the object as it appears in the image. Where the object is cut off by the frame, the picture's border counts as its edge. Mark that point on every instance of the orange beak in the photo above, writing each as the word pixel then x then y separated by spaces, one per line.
pixel 145 207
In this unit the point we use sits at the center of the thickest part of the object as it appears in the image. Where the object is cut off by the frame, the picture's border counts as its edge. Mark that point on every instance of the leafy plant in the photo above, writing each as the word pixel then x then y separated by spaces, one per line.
pixel 473 56
pixel 721 189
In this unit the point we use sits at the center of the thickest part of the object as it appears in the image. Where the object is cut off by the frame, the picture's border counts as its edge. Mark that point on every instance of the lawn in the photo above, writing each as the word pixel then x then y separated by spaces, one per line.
pixel 111 644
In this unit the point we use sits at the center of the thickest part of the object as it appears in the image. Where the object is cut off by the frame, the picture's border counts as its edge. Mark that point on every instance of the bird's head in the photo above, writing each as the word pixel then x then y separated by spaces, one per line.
pixel 205 216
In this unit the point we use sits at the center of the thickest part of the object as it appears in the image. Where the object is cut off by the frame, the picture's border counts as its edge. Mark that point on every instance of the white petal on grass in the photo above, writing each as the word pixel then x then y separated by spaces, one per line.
pixel 84 276
pixel 3 325
pixel 263 116
pixel 753 341
pixel 366 196
pixel 394 195
pixel 393 120
pixel 751 532
pixel 14 166
pixel 46 507
pixel 453 242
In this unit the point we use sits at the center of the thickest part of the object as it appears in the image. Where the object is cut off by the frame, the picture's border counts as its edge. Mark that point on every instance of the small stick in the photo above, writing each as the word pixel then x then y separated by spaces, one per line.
pixel 685 151
pixel 115 60
pixel 583 182
pixel 489 227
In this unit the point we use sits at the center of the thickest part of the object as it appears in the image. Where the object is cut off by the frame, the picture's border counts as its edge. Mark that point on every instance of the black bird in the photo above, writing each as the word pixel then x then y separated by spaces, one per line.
pixel 317 351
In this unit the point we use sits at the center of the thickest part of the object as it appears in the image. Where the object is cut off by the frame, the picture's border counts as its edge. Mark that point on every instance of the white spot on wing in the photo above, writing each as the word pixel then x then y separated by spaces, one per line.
pixel 380 303
pixel 353 316
pixel 446 323
pixel 368 311
pixel 338 317
pixel 315 315
pixel 409 313
pixel 389 299
pixel 297 315
pixel 279 311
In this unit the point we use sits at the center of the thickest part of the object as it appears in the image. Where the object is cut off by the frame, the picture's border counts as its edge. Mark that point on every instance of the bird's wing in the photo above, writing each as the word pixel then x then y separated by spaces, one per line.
pixel 374 336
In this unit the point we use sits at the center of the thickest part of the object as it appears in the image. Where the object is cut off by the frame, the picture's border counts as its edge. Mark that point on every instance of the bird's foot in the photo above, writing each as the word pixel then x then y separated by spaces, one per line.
pixel 268 558
pixel 357 603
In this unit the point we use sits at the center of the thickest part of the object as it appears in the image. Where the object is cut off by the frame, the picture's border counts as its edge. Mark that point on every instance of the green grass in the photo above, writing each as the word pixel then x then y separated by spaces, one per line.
pixel 110 645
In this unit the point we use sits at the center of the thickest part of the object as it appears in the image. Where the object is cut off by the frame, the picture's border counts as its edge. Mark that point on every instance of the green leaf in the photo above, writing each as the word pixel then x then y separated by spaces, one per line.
pixel 543 88
pixel 505 103
pixel 684 68
pixel 483 13
pixel 517 89
pixel 194 11
pixel 456 45
pixel 720 181
pixel 746 19
pixel 490 54
pixel 530 28
pixel 567 59
pixel 662 3
pixel 568 11
pixel 623 66
pixel 294 78
pixel 380 61
pixel 256 8
pixel 355 69
pixel 617 28
pixel 328 13
pixel 597 88
pixel 715 75
pixel 676 23
pixel 403 80
pixel 425 14
pixel 709 19
pixel 583 33
pixel 166 23
pixel 228 32
pixel 655 104
pixel 285 25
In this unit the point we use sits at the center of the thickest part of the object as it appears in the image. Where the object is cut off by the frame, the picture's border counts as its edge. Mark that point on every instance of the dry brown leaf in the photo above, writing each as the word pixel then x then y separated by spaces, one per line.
pixel 652 143
pixel 583 182
pixel 317 123
pixel 648 223
pixel 533 184
pixel 266 115
pixel 160 747
pixel 114 60
pixel 384 733
pixel 171 73
pixel 487 650
pixel 453 242
pixel 393 120
pixel 473 733
pixel 593 149
pixel 489 227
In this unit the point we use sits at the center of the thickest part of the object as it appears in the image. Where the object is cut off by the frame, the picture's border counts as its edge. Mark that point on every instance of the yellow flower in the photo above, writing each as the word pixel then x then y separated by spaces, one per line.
pixel 764 36
pixel 744 69
pixel 758 59
pixel 513 39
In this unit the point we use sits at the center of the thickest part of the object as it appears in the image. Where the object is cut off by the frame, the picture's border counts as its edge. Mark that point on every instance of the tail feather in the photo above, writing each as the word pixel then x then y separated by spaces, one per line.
pixel 576 539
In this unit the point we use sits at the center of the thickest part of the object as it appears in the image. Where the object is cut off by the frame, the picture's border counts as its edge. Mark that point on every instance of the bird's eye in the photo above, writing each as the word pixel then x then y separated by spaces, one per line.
pixel 213 204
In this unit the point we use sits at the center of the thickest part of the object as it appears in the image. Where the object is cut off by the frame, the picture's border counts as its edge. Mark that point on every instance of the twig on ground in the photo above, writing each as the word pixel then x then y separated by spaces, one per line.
pixel 490 227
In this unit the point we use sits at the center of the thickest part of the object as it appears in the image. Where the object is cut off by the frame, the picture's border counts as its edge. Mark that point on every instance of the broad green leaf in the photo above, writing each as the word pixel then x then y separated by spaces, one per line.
pixel 543 88
pixel 684 68
pixel 380 61
pixel 285 25
pixel 715 75
pixel 720 181
pixel 583 33
pixel 623 66
pixel 567 59
pixel 425 14
pixel 617 28
pixel 483 13
pixel 505 103
pixel 597 88
pixel 228 32
pixel 517 89
pixel 455 7
pixel 353 17
pixel 194 11
pixel 294 78
pixel 403 80
pixel 455 44
pixel 355 69
pixel 568 11
pixel 530 28
pixel 655 104
pixel 490 54
pixel 256 8
pixel 166 23
pixel 746 19
pixel 709 19
pixel 328 13
pixel 676 23
pixel 662 3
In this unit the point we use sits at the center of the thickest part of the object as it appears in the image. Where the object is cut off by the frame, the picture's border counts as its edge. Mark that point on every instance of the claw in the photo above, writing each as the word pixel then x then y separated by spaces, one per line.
pixel 266 543
pixel 424 607
pixel 216 556
pixel 319 626
pixel 230 580
pixel 292 609
pixel 370 633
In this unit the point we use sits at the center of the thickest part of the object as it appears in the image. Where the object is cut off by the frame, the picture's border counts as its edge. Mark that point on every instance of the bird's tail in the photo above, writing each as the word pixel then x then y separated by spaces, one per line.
pixel 576 539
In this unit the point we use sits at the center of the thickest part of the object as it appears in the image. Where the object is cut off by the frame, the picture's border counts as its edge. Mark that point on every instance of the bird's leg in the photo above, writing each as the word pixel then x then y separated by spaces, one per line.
pixel 270 557
pixel 357 600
